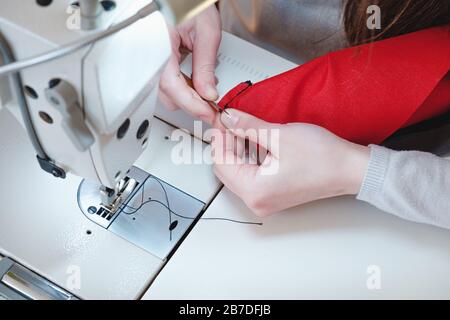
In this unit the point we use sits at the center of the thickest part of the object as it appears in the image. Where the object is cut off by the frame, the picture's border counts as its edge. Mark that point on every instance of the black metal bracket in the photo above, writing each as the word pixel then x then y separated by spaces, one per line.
pixel 48 166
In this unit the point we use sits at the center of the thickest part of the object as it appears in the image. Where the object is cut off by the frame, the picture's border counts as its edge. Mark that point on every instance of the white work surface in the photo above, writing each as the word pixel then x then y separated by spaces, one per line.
pixel 320 250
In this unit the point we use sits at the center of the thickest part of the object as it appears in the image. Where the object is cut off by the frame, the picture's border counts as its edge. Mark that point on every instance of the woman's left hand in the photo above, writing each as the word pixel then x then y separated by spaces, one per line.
pixel 304 163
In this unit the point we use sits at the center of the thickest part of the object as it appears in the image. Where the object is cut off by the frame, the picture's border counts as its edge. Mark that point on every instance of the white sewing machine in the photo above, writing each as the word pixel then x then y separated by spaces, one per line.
pixel 86 100
pixel 92 114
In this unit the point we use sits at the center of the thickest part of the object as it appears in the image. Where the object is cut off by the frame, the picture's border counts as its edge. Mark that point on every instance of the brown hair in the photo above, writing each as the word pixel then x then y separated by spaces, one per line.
pixel 397 17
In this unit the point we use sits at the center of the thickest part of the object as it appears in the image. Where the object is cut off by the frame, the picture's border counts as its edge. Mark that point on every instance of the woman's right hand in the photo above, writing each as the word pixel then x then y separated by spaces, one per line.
pixel 301 162
pixel 202 36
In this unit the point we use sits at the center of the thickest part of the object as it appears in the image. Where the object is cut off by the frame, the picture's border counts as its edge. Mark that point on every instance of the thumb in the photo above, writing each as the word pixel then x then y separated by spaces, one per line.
pixel 204 58
pixel 249 127
pixel 231 168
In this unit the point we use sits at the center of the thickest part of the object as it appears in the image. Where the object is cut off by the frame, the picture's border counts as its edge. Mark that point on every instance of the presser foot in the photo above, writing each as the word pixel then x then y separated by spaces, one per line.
pixel 146 211
pixel 111 199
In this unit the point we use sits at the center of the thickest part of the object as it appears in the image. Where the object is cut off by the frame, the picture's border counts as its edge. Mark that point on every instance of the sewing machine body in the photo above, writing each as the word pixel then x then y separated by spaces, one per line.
pixel 92 111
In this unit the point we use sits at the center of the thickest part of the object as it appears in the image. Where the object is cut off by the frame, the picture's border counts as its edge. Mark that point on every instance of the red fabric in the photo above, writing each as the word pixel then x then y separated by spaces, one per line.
pixel 363 94
pixel 437 102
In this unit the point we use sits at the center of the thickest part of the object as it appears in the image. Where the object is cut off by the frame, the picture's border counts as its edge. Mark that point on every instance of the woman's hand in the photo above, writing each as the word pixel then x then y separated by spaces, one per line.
pixel 202 37
pixel 304 163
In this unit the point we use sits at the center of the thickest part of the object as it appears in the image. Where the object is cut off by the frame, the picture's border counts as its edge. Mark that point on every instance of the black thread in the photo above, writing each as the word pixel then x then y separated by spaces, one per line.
pixel 249 84
pixel 185 217
pixel 143 203
pixel 167 206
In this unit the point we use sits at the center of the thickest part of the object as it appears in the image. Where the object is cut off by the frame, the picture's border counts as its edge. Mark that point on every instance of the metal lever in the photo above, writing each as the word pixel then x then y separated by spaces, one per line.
pixel 17 282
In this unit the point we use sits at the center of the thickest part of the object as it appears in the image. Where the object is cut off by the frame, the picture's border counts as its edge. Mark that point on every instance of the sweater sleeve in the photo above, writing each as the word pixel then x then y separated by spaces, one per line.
pixel 409 184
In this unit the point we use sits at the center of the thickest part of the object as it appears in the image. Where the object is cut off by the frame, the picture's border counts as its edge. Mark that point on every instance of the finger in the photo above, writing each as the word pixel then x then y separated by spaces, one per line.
pixel 204 57
pixel 217 124
pixel 181 95
pixel 256 153
pixel 247 126
pixel 170 69
pixel 230 168
pixel 231 143
pixel 239 146
pixel 167 102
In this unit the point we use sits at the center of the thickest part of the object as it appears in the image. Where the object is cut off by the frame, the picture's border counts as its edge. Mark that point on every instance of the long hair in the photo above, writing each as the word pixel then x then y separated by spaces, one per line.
pixel 397 17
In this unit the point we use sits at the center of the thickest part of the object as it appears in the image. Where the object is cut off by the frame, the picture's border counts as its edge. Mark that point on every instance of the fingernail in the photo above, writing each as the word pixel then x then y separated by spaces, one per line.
pixel 211 93
pixel 229 119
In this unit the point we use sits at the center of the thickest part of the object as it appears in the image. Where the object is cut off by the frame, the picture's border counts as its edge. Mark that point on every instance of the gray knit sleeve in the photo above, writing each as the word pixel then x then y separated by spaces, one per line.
pixel 409 184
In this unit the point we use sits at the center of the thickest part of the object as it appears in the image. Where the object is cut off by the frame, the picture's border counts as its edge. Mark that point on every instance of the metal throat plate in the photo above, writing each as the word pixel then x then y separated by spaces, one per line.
pixel 154 217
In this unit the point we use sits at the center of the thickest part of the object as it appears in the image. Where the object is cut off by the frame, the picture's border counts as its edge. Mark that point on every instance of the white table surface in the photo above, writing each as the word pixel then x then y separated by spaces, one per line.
pixel 321 250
